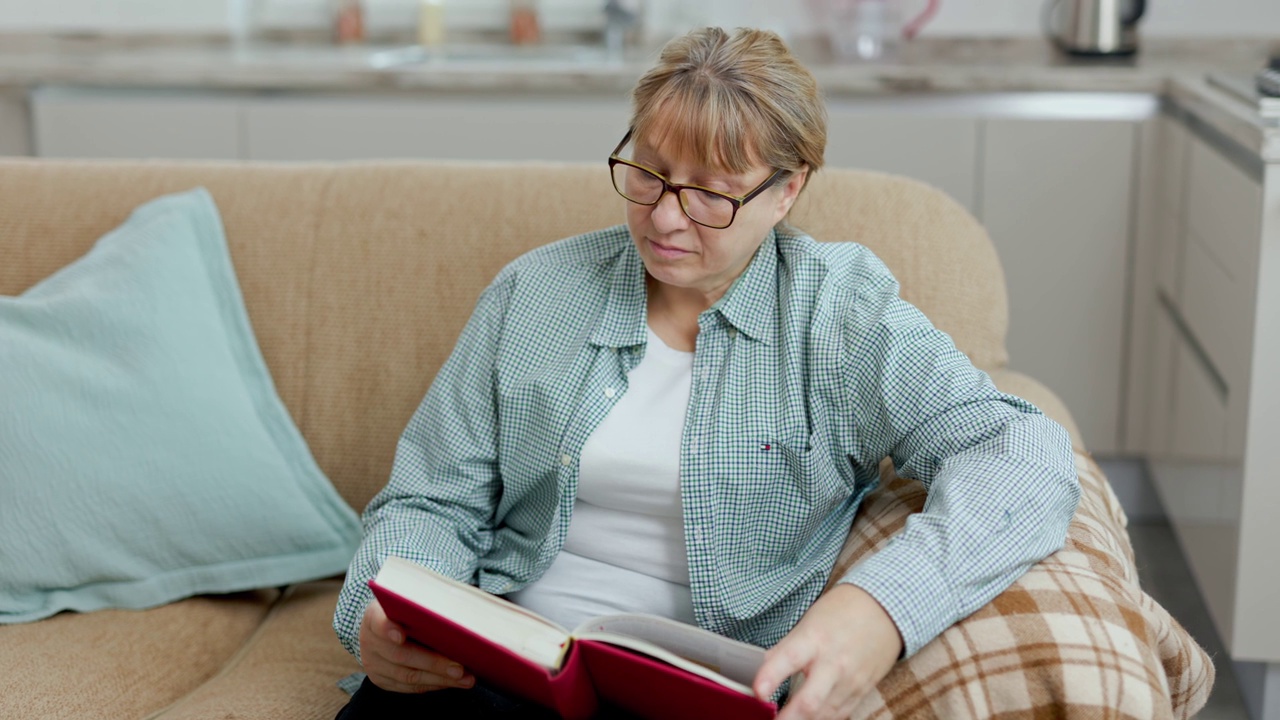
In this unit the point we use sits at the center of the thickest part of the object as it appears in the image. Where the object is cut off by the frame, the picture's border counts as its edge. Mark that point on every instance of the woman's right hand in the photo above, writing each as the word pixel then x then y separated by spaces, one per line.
pixel 395 663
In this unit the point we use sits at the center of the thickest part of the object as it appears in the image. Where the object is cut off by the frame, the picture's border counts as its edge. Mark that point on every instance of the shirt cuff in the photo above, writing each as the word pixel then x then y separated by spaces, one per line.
pixel 911 588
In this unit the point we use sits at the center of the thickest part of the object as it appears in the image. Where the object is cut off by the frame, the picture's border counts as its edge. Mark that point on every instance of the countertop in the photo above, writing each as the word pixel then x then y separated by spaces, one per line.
pixel 1172 69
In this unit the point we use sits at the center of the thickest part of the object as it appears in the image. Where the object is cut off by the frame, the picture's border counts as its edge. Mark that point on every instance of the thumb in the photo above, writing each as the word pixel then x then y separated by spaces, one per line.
pixel 780 663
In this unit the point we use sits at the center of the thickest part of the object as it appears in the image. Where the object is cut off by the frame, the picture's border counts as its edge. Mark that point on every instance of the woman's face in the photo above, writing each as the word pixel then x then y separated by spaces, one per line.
pixel 680 253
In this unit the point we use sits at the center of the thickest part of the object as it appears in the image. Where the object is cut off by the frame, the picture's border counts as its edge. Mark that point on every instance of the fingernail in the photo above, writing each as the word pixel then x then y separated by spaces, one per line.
pixel 396 637
pixel 467 682
pixel 455 671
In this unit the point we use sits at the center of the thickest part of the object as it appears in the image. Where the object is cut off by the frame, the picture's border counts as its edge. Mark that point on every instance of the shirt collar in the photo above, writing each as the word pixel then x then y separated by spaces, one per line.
pixel 749 304
pixel 622 324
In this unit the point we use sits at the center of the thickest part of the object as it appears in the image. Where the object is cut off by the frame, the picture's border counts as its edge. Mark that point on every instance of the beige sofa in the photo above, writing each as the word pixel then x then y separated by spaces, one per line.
pixel 359 277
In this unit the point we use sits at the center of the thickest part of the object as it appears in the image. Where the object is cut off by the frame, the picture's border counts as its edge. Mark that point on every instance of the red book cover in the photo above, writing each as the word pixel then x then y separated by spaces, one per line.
pixel 569 691
pixel 592 670
pixel 653 689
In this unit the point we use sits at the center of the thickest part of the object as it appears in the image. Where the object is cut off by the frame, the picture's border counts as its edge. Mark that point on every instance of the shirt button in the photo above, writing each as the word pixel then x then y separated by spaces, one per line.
pixel 733 333
pixel 610 392
pixel 565 460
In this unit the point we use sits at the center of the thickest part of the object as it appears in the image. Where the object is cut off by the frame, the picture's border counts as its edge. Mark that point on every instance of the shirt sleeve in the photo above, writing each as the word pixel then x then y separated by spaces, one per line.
pixel 1001 479
pixel 438 505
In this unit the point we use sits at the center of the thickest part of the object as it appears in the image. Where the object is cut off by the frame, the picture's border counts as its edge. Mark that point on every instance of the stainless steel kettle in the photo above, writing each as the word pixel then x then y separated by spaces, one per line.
pixel 1095 27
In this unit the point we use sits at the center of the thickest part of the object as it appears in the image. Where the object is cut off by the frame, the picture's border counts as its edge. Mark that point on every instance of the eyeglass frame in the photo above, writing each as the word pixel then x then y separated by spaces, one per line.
pixel 670 187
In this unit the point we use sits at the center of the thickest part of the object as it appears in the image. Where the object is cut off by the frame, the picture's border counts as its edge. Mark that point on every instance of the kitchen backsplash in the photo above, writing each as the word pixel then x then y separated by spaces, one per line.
pixel 662 18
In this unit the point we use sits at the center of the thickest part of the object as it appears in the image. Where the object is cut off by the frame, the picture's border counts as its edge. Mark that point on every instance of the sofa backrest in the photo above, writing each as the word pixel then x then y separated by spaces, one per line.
pixel 359 277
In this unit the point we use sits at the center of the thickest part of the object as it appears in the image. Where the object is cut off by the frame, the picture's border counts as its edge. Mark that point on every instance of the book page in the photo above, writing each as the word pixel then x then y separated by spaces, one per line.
pixel 526 633
pixel 715 657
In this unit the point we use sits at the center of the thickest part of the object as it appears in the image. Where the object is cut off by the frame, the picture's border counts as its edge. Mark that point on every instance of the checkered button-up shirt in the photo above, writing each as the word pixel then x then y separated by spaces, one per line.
pixel 808 371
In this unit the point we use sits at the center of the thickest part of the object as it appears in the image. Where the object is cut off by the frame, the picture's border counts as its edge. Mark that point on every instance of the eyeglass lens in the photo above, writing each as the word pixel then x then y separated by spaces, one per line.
pixel 643 187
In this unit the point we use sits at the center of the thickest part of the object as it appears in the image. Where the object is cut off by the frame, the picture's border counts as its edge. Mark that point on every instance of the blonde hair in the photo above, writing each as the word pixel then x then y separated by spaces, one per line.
pixel 730 101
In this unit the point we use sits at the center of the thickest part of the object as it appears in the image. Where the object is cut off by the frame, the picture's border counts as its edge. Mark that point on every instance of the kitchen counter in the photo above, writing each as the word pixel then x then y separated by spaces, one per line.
pixel 1172 69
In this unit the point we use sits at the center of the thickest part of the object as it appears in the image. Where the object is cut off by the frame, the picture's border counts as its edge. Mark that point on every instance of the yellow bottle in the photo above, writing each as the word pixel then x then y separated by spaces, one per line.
pixel 431 23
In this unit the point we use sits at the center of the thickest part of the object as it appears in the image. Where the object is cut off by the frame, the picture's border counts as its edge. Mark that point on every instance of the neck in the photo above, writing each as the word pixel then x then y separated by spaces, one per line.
pixel 673 312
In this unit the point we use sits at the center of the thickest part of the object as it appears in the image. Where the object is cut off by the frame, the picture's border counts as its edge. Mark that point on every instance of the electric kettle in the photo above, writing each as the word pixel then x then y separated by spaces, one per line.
pixel 1095 27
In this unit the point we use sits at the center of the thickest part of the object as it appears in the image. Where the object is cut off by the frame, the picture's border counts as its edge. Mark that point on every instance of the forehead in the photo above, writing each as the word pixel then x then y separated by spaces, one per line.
pixel 680 132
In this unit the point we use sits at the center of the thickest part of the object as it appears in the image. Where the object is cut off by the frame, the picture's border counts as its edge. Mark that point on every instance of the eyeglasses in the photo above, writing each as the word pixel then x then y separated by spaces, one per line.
pixel 707 207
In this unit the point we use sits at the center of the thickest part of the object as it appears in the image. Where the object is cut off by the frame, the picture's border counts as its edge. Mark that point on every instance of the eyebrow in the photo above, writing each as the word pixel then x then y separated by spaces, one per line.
pixel 735 185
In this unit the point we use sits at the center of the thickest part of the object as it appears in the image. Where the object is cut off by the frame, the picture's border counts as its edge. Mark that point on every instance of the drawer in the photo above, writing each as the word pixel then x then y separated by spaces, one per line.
pixel 1216 309
pixel 1169 237
pixel 1199 417
pixel 1173 141
pixel 1164 348
pixel 1224 209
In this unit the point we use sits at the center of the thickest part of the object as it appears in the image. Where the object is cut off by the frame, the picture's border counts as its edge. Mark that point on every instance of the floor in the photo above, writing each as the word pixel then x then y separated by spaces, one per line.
pixel 1165 576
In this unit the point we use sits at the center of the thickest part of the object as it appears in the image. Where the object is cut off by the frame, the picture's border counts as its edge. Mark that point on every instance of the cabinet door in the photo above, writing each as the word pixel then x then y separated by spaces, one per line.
pixel 15 131
pixel 939 149
pixel 91 123
pixel 1056 200
pixel 442 128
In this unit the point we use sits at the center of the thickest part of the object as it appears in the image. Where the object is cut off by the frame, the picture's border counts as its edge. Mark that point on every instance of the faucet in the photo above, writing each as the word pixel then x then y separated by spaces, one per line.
pixel 619 16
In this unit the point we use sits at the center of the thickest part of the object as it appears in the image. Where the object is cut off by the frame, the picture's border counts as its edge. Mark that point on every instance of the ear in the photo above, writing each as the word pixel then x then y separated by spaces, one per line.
pixel 790 191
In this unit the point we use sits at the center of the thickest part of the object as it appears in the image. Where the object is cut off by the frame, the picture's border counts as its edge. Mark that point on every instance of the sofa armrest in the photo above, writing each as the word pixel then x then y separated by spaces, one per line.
pixel 1033 391
pixel 1076 636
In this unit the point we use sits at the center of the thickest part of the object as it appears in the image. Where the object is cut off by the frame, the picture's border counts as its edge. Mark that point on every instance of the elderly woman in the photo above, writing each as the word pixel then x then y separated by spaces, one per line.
pixel 680 416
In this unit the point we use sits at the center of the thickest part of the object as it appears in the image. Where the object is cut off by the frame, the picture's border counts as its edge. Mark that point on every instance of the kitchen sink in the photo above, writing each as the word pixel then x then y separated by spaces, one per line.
pixel 415 55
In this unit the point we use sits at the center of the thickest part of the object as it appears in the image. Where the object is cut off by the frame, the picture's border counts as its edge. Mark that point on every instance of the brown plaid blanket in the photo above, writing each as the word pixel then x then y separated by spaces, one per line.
pixel 1074 637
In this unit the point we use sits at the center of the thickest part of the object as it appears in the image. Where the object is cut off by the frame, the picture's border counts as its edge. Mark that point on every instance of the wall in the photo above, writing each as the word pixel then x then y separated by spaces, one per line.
pixel 957 17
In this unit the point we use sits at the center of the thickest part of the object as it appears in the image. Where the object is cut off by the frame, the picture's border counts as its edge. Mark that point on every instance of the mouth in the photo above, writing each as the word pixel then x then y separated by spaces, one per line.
pixel 667 251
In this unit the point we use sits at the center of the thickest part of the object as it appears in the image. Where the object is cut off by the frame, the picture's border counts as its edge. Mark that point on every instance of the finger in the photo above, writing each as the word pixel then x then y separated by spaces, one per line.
pixel 780 663
pixel 410 670
pixel 392 685
pixel 814 700
pixel 400 681
pixel 417 677
pixel 383 626
pixel 419 657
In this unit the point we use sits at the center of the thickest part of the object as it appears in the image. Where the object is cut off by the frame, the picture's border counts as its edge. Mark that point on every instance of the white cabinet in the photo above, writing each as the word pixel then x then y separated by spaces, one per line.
pixel 1056 198
pixel 1212 410
pixel 15 129
pixel 940 149
pixel 93 123
pixel 568 129
pixel 108 123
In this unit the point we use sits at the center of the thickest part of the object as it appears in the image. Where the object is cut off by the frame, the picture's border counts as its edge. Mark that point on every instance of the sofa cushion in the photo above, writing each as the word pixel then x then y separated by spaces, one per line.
pixel 286 672
pixel 144 454
pixel 122 663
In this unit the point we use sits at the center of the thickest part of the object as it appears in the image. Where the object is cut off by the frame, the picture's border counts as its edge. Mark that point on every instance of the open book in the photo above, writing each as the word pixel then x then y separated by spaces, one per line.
pixel 651 666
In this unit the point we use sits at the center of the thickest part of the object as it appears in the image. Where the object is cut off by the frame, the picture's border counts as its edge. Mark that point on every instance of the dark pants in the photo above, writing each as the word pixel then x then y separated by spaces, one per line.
pixel 480 702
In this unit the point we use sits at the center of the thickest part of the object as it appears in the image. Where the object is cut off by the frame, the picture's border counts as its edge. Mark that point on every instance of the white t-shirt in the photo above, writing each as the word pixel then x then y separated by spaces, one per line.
pixel 625 548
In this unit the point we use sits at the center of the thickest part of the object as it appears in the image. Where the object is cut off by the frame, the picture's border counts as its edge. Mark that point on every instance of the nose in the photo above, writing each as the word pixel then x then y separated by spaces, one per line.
pixel 667 215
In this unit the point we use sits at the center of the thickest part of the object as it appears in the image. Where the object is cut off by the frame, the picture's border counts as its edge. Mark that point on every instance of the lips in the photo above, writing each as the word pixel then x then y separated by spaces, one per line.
pixel 667 251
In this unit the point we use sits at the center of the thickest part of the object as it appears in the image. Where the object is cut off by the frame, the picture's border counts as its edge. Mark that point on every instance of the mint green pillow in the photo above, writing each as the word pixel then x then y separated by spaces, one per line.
pixel 144 453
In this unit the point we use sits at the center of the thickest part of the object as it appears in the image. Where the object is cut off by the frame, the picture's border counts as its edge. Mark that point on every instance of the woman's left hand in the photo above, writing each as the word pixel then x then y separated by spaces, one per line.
pixel 845 644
